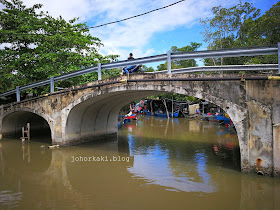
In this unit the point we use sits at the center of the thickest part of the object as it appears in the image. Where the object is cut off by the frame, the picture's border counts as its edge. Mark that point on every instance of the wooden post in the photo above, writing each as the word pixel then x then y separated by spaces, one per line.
pixel 151 104
pixel 28 132
pixel 203 108
pixel 22 129
pixel 172 108
pixel 164 102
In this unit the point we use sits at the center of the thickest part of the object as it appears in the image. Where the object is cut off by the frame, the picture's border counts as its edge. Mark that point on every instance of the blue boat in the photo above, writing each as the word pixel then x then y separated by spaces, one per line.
pixel 160 114
pixel 147 112
pixel 208 117
pixel 175 114
pixel 220 117
pixel 226 120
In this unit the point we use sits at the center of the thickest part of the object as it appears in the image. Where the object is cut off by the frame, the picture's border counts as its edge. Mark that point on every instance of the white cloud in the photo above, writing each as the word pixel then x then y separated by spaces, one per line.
pixel 68 9
pixel 136 33
pixel 132 35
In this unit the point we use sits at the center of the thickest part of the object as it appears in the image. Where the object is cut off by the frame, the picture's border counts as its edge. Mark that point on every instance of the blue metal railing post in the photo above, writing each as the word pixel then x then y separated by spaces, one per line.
pixel 99 71
pixel 18 93
pixel 278 57
pixel 52 84
pixel 169 62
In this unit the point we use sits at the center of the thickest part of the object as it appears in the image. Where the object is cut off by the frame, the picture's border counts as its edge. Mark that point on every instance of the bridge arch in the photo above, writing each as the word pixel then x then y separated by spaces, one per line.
pixel 15 119
pixel 96 113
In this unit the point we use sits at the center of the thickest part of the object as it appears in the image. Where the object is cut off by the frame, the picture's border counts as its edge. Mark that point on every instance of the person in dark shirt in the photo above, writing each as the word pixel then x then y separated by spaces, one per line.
pixel 130 56
pixel 127 68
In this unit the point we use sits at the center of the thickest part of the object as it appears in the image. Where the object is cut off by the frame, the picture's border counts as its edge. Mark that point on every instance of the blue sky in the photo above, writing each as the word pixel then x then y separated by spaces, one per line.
pixel 147 35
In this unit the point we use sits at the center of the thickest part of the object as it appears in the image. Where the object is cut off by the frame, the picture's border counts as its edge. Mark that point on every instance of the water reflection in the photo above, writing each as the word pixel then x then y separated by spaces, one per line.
pixel 9 198
pixel 21 166
pixel 172 164
pixel 175 153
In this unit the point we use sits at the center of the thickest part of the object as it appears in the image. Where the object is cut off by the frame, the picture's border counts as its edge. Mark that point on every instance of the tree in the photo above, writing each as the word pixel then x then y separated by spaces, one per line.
pixel 189 48
pixel 147 69
pixel 36 46
pixel 150 69
pixel 177 64
pixel 178 97
pixel 226 29
pixel 263 30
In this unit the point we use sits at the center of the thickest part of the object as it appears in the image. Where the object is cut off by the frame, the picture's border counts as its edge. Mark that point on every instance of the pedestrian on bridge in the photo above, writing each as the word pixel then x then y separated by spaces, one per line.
pixel 127 68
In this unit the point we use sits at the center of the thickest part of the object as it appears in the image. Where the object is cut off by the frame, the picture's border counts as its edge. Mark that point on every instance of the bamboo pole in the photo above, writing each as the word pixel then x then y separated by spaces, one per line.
pixel 28 131
pixel 152 113
pixel 172 108
pixel 164 102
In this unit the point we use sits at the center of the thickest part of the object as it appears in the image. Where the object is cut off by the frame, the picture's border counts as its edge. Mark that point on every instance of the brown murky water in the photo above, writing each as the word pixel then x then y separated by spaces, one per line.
pixel 154 163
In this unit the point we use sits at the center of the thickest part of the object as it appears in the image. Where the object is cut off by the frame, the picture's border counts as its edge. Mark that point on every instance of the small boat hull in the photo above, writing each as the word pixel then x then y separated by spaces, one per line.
pixel 161 114
pixel 175 114
pixel 128 118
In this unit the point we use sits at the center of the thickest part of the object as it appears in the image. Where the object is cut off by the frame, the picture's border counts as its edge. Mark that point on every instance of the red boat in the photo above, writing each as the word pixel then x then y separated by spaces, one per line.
pixel 129 117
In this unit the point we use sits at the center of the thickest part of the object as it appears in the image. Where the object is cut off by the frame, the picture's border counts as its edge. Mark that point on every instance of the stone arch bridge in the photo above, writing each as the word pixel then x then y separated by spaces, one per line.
pixel 90 111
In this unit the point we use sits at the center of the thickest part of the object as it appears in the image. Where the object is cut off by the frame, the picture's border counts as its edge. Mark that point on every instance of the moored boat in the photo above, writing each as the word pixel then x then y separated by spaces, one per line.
pixel 128 118
pixel 175 114
pixel 208 117
pixel 223 119
pixel 160 114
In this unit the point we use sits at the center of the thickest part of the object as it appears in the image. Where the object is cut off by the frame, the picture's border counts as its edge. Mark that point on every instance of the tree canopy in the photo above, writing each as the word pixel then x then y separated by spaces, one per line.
pixel 35 46
pixel 241 26
pixel 177 64
pixel 263 30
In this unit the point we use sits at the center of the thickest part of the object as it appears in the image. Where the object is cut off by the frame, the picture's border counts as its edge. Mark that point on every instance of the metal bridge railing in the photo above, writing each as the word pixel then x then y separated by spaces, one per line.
pixel 255 67
pixel 237 52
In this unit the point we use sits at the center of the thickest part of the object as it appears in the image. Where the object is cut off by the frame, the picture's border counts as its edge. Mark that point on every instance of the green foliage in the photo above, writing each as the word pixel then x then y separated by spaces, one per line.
pixel 38 46
pixel 110 73
pixel 263 30
pixel 241 26
pixel 150 69
pixel 147 69
pixel 181 63
pixel 176 97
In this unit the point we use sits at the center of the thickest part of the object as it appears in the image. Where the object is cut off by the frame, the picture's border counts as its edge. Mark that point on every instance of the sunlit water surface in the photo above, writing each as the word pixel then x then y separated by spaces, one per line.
pixel 153 163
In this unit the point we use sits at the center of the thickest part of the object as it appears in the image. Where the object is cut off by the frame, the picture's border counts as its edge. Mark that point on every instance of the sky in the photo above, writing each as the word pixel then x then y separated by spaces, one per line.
pixel 151 34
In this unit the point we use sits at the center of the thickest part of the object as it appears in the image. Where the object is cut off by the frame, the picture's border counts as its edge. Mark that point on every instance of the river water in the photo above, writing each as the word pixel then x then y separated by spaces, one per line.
pixel 153 163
